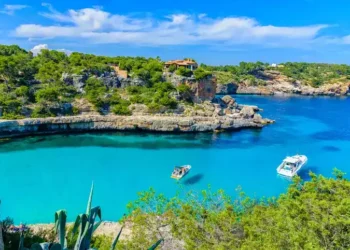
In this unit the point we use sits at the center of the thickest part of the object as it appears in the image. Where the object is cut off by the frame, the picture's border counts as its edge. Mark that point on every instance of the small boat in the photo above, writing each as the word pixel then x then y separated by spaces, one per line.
pixel 291 165
pixel 180 172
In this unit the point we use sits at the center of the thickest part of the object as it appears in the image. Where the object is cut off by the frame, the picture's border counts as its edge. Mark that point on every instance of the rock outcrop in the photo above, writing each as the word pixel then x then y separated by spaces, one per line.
pixel 202 90
pixel 226 89
pixel 277 84
pixel 223 114
pixel 110 79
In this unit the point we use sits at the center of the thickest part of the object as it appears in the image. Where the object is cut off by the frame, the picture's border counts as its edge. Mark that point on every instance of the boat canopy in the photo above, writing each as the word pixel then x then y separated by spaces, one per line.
pixel 292 160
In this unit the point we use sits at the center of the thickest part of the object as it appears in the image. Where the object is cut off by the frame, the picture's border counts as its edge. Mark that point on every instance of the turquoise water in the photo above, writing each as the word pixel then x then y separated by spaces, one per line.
pixel 40 175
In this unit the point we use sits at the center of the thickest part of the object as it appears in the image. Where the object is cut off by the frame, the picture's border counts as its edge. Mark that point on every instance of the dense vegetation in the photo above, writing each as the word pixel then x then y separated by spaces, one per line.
pixel 34 85
pixel 311 215
pixel 314 74
pixel 44 85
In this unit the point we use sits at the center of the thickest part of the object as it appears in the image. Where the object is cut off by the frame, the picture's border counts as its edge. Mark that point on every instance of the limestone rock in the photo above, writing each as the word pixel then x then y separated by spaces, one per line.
pixel 228 100
pixel 248 112
pixel 201 90
pixel 226 89
pixel 78 81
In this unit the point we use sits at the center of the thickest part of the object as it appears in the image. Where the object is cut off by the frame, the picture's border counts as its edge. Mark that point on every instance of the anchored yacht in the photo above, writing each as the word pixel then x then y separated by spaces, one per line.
pixel 291 165
pixel 180 172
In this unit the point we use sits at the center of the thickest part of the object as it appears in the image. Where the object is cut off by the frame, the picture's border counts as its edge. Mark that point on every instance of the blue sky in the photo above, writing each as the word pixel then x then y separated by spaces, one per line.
pixel 215 32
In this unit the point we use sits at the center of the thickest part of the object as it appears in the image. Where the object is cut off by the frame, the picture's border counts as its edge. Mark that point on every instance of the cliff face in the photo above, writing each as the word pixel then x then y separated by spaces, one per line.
pixel 276 84
pixel 110 79
pixel 225 114
pixel 202 90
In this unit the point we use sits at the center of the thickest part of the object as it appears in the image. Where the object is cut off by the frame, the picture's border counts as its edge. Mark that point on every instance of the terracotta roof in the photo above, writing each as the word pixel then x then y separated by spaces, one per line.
pixel 181 62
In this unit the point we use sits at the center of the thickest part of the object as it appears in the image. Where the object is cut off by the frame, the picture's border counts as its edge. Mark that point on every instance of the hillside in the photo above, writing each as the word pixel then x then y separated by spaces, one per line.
pixel 287 78
pixel 96 92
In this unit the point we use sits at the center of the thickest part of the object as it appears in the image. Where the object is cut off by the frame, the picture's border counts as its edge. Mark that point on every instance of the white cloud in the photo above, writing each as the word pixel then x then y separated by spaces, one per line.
pixel 37 49
pixel 95 25
pixel 11 9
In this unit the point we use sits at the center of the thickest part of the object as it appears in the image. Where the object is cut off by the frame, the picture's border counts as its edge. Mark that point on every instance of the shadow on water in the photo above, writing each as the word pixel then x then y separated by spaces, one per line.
pixel 193 180
pixel 304 173
pixel 151 141
pixel 331 149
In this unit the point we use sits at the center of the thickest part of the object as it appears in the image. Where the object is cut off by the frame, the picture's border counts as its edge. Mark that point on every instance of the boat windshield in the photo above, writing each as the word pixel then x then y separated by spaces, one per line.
pixel 289 166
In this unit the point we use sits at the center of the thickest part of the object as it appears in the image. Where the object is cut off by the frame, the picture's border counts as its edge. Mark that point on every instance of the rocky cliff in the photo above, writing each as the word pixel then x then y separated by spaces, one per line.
pixel 224 114
pixel 202 90
pixel 274 83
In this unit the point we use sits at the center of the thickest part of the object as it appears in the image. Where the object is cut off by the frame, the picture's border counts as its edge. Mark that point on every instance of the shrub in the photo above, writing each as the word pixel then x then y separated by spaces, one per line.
pixel 121 109
pixel 200 73
pixel 49 94
pixel 172 68
pixel 185 92
pixel 154 107
pixel 182 71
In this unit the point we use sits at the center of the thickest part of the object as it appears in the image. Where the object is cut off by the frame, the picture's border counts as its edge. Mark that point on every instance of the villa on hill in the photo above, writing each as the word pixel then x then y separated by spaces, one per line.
pixel 187 63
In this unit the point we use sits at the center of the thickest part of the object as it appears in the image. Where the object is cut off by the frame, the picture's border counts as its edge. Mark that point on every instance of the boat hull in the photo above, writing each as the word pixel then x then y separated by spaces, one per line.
pixel 177 177
pixel 303 160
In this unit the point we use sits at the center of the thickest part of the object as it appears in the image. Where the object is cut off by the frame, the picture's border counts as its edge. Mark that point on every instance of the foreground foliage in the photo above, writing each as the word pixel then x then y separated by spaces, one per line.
pixel 311 215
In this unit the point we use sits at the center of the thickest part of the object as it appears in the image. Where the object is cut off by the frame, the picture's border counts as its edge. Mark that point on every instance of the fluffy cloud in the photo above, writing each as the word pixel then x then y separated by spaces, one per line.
pixel 11 9
pixel 36 49
pixel 95 25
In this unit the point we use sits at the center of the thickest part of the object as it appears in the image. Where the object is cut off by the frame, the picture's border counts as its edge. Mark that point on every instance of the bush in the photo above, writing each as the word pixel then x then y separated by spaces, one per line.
pixel 121 109
pixel 42 111
pixel 200 73
pixel 182 71
pixel 154 107
pixel 49 94
pixel 185 92
pixel 172 68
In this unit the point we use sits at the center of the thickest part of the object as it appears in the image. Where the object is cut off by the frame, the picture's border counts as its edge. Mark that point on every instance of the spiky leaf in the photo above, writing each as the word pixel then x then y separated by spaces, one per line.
pixel 88 208
pixel 96 225
pixel 115 241
pixel 60 227
pixel 156 244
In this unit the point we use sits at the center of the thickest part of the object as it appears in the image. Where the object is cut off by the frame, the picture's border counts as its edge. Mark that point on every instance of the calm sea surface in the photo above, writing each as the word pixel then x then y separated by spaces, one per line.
pixel 40 175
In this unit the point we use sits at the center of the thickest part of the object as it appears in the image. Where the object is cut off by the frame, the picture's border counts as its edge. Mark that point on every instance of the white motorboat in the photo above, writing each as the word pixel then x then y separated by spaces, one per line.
pixel 291 165
pixel 180 172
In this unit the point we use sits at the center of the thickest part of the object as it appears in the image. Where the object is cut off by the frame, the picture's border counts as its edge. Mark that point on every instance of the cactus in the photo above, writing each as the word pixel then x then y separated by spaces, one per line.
pixel 86 224
pixel 60 227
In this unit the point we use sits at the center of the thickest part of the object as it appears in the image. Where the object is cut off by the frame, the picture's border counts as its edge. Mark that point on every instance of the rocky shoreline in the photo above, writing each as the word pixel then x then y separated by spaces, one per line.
pixel 283 89
pixel 276 84
pixel 223 115
pixel 40 126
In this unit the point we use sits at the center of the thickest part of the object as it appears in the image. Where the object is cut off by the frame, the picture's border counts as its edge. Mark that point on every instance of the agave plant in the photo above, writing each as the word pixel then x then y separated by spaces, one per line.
pixel 86 224
pixel 46 246
pixel 60 227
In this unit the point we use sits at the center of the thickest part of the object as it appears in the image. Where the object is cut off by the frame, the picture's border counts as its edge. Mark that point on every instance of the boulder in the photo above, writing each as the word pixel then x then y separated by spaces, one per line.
pixel 248 112
pixel 228 100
